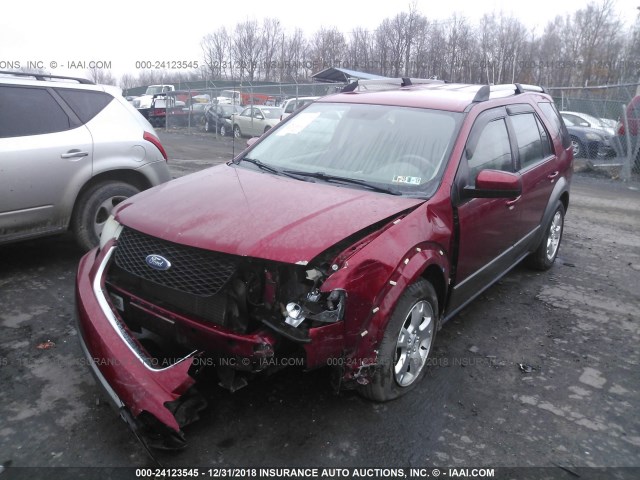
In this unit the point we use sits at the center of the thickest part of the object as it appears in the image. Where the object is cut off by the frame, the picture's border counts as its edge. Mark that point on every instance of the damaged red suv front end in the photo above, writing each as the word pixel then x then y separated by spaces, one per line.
pixel 157 308
pixel 343 238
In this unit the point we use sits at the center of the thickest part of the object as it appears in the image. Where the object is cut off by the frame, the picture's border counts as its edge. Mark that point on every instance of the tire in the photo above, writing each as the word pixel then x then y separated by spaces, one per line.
pixel 578 148
pixel 207 126
pixel 93 208
pixel 266 129
pixel 409 336
pixel 236 131
pixel 223 131
pixel 546 253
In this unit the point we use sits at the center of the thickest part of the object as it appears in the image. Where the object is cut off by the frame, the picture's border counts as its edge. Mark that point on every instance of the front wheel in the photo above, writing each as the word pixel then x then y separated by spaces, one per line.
pixel 236 131
pixel 547 251
pixel 93 208
pixel 223 131
pixel 406 344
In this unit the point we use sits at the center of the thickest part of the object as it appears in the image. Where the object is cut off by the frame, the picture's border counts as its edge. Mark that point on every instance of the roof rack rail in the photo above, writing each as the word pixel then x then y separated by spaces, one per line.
pixel 484 92
pixel 47 76
pixel 388 83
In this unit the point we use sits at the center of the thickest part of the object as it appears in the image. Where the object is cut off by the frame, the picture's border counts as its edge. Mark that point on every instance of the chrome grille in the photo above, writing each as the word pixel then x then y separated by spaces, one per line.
pixel 193 270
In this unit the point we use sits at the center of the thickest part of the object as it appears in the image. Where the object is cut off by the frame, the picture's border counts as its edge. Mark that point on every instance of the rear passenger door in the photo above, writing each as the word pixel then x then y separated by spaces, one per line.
pixel 45 157
pixel 537 165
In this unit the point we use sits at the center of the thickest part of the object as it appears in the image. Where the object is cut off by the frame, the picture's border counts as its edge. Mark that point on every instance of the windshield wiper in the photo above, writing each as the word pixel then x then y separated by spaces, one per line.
pixel 268 168
pixel 354 181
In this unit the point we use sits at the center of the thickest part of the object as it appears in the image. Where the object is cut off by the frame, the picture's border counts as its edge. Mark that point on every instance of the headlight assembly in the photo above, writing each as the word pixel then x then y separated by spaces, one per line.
pixel 111 230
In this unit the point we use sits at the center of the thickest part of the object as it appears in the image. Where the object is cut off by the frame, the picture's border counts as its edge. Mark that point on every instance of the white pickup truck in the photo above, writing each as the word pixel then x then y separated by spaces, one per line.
pixel 143 102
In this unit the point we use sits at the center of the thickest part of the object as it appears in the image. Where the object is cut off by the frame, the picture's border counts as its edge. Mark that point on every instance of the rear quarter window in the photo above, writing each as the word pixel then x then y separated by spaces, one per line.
pixel 85 104
pixel 557 125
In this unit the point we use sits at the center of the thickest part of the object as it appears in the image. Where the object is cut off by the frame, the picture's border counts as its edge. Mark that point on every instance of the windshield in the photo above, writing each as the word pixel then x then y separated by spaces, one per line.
pixel 154 90
pixel 271 112
pixel 595 122
pixel 229 109
pixel 402 148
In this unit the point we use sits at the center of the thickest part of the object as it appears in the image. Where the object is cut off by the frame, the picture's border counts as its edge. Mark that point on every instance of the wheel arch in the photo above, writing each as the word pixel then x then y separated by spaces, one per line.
pixel 560 194
pixel 132 177
pixel 428 262
pixel 435 276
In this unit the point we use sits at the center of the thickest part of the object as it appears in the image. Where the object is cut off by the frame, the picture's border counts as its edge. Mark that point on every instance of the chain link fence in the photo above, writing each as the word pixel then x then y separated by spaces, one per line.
pixel 187 108
pixel 602 120
pixel 603 124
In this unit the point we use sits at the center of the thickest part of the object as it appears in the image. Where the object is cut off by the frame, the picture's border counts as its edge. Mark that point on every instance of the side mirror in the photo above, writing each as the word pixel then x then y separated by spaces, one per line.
pixel 251 141
pixel 259 116
pixel 494 184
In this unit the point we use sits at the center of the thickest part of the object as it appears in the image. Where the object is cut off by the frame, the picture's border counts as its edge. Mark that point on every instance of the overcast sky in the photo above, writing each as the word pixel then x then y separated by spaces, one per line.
pixel 123 32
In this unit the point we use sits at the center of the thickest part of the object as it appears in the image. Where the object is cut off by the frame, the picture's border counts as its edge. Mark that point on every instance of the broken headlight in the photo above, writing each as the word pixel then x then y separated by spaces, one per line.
pixel 323 307
pixel 110 230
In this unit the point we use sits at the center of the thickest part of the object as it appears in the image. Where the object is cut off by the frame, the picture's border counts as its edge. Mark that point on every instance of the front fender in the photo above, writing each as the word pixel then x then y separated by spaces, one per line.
pixel 413 266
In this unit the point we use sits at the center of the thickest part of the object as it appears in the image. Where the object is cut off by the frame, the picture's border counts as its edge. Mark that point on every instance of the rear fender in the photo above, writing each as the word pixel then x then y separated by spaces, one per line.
pixel 561 188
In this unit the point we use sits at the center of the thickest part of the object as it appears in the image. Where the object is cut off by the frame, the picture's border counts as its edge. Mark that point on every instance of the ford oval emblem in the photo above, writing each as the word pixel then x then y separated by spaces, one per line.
pixel 158 262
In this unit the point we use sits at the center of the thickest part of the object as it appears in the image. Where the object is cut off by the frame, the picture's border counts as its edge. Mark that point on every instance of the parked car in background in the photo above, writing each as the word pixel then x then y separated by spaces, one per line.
pixel 254 121
pixel 70 151
pixel 345 238
pixel 218 118
pixel 585 120
pixel 293 104
pixel 587 142
pixel 192 115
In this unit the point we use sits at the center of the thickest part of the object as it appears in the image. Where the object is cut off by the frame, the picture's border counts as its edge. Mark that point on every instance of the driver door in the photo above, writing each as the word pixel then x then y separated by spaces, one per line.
pixel 487 226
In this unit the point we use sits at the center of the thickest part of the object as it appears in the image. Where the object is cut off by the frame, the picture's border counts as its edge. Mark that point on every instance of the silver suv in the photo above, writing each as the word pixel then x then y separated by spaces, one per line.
pixel 70 150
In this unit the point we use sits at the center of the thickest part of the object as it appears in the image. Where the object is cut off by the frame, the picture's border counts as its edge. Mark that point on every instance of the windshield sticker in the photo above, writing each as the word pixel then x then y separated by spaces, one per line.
pixel 407 180
pixel 297 123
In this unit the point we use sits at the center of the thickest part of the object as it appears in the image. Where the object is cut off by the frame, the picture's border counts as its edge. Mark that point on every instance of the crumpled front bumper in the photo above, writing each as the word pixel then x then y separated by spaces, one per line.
pixel 132 385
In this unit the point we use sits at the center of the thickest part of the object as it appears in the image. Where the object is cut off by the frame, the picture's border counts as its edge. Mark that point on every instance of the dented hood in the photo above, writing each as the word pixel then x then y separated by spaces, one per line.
pixel 250 213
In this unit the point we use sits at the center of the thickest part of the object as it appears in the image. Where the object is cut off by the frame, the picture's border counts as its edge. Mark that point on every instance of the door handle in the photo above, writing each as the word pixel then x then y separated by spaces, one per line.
pixel 74 154
pixel 511 203
pixel 553 175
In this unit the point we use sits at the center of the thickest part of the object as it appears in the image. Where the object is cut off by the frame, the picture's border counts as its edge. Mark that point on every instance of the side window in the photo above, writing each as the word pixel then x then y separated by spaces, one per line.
pixel 528 139
pixel 492 151
pixel 559 128
pixel 246 112
pixel 85 104
pixel 547 146
pixel 30 111
pixel 290 107
pixel 572 118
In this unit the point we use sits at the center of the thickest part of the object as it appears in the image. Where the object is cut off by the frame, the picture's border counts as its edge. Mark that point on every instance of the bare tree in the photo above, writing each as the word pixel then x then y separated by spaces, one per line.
pixel 127 81
pixel 294 56
pixel 585 47
pixel 216 53
pixel 247 48
pixel 598 26
pixel 272 39
pixel 101 75
pixel 328 48
pixel 360 49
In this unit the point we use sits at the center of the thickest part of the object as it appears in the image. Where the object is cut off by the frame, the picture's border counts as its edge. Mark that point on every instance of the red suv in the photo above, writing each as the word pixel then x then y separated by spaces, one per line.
pixel 344 237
